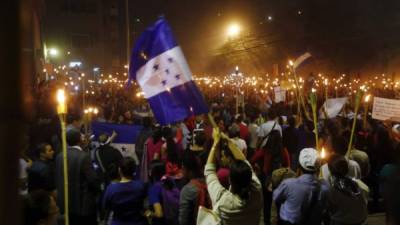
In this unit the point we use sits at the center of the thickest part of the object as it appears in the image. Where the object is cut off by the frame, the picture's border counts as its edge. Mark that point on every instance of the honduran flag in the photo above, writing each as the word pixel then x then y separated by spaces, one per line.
pixel 159 67
pixel 301 59
pixel 125 139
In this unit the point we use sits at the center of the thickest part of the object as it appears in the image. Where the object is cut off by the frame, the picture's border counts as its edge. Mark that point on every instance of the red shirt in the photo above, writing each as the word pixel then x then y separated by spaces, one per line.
pixel 267 158
pixel 244 131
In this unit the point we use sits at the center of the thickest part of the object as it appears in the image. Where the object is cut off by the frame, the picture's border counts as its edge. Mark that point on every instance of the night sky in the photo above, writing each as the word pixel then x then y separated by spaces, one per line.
pixel 353 36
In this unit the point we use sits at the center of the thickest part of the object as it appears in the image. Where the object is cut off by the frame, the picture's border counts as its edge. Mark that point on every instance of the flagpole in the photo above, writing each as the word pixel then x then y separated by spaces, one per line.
pixel 127 31
pixel 356 107
pixel 313 102
pixel 299 93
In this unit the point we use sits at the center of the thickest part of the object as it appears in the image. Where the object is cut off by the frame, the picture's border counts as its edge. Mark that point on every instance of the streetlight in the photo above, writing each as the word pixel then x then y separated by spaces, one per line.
pixel 233 30
pixel 53 52
pixel 89 112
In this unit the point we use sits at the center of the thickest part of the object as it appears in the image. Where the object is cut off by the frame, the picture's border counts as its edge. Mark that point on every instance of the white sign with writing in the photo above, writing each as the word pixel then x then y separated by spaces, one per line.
pixel 385 108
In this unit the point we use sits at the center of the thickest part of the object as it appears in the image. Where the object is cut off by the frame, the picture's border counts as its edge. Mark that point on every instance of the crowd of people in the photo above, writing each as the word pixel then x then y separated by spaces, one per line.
pixel 258 166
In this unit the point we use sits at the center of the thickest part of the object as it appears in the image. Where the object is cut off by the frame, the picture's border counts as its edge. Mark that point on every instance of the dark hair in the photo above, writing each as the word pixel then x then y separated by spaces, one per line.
pixel 157 169
pixel 291 121
pixel 157 135
pixel 239 119
pixel 274 143
pixel 344 122
pixel 331 127
pixel 172 151
pixel 280 120
pixel 271 114
pixel 127 167
pixel 338 165
pixel 147 121
pixel 41 148
pixel 339 145
pixel 240 178
pixel 234 131
pixel 192 164
pixel 36 207
pixel 309 125
pixel 112 171
pixel 72 117
pixel 73 137
pixel 200 138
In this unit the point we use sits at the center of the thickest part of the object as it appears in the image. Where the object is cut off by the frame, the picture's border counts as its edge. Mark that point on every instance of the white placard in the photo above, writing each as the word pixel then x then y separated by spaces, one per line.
pixel 332 106
pixel 385 108
pixel 280 94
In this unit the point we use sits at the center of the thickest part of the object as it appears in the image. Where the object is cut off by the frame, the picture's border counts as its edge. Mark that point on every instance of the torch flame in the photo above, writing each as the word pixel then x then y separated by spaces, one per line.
pixel 323 153
pixel 367 98
pixel 60 96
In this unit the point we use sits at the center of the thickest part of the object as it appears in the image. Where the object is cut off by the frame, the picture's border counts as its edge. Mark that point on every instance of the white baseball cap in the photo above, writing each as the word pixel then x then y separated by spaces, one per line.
pixel 309 159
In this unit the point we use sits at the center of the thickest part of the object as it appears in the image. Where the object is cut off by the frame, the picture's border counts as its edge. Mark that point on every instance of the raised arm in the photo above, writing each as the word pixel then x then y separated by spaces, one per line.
pixel 236 152
pixel 216 137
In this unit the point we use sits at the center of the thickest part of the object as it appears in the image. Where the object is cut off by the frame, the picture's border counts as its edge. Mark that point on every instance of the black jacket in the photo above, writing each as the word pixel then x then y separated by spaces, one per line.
pixel 83 183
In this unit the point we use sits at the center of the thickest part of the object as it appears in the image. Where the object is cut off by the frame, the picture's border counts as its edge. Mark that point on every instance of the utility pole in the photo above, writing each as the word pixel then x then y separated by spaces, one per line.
pixel 127 31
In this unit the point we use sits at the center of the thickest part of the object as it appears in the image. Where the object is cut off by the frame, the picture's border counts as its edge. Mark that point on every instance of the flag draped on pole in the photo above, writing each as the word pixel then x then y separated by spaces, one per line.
pixel 160 68
pixel 301 59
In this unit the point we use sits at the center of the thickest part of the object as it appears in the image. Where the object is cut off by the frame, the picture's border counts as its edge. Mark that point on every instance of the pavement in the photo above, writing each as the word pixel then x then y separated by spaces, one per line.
pixel 376 219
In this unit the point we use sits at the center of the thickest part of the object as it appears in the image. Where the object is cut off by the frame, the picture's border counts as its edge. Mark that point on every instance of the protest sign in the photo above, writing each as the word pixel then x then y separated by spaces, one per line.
pixel 384 108
pixel 280 94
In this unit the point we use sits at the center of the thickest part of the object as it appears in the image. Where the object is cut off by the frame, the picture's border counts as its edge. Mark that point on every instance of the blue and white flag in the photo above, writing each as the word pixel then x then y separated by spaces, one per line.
pixel 125 139
pixel 158 65
pixel 301 59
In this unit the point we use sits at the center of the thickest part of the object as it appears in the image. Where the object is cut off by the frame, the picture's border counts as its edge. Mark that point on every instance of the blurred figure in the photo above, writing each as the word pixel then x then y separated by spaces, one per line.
pixel 40 208
pixel 339 145
pixel 242 202
pixel 290 141
pixel 41 173
pixel 142 137
pixel 348 198
pixel 126 198
pixel 83 182
pixel 194 193
pixel 234 134
pixel 303 200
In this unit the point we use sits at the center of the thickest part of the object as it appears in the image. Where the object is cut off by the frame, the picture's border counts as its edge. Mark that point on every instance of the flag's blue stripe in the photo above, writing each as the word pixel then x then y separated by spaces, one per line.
pixel 127 134
pixel 154 40
pixel 174 106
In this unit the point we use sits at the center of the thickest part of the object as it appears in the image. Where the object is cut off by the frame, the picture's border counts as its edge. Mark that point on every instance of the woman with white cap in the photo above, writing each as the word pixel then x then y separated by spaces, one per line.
pixel 303 200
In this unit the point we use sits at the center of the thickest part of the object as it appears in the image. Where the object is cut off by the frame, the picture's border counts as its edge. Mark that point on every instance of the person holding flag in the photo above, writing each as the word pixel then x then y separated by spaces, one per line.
pixel 160 68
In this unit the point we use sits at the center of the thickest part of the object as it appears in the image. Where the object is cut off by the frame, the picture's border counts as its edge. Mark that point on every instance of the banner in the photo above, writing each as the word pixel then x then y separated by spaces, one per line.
pixel 280 94
pixel 125 139
pixel 160 68
pixel 384 108
pixel 332 106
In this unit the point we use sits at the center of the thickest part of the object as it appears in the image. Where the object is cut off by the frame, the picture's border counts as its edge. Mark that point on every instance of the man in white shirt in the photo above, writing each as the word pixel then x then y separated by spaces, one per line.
pixel 253 131
pixel 266 128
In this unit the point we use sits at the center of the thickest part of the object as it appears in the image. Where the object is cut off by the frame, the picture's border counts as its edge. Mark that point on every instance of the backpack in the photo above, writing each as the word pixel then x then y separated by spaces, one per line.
pixel 170 201
pixel 98 167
